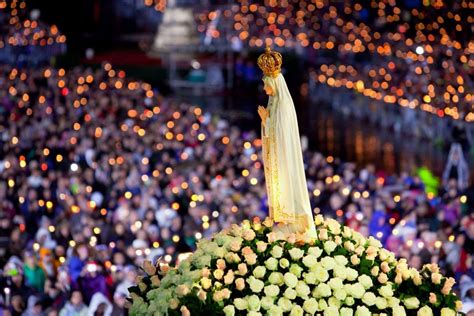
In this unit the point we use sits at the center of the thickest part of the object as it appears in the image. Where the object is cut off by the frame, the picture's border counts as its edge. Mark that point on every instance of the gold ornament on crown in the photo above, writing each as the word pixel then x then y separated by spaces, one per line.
pixel 270 62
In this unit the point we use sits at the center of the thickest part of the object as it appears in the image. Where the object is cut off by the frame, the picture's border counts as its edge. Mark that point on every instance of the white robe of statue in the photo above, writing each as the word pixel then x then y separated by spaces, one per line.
pixel 283 163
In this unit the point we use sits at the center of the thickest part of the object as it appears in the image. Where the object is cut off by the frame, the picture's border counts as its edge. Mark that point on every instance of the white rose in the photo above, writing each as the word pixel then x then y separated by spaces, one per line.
pixel 297 311
pixel 398 310
pixel 315 251
pixel 267 302
pixel 347 232
pixel 331 311
pixel 318 219
pixel 323 290
pixel 335 283
pixel 296 269
pixel 340 272
pixel 229 310
pixel 368 298
pixel 254 313
pixel 256 285
pixel 349 301
pixel 366 281
pixel 329 246
pixel 290 279
pixel 341 260
pixel 310 260
pixel 276 278
pixel 362 311
pixel 302 289
pixel 241 304
pixel 345 311
pixel 321 274
pixel 411 302
pixel 357 290
pixel 285 304
pixel 253 302
pixel 393 301
pixel 284 263
pixel 333 226
pixel 296 253
pixel 328 263
pixel 276 252
pixel 271 264
pixel 425 311
pixel 290 294
pixel 447 312
pixel 333 301
pixel 259 272
pixel 275 311
pixel 351 274
pixel 386 290
pixel 340 294
pixel 271 290
pixel 381 303
pixel 310 305
pixel 310 277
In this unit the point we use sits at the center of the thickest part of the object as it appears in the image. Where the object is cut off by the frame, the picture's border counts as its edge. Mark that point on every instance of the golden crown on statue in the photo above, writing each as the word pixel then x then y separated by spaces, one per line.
pixel 270 62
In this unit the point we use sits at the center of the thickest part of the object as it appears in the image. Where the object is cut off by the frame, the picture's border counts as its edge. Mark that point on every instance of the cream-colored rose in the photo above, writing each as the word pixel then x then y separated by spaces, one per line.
pixel 248 234
pixel 284 263
pixel 436 278
pixel 242 268
pixel 182 290
pixel 240 284
pixel 267 302
pixel 331 311
pixel 229 277
pixel 375 271
pixel 261 246
pixel 381 303
pixel 321 273
pixel 290 294
pixel 328 262
pixel 206 283
pixel 202 295
pixel 398 278
pixel 357 290
pixel 251 259
pixel 218 274
pixel 302 289
pixel 310 260
pixel 318 219
pixel 220 263
pixel 447 286
pixel 276 278
pixel 323 234
pixel 382 278
pixel 345 311
pixel 247 251
pixel 315 251
pixel 355 260
pixel 185 311
pixel 351 274
pixel 349 246
pixel 271 237
pixel 335 283
pixel 322 290
pixel 338 240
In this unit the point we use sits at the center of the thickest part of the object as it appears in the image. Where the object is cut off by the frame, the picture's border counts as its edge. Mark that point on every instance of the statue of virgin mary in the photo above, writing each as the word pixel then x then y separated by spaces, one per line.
pixel 285 178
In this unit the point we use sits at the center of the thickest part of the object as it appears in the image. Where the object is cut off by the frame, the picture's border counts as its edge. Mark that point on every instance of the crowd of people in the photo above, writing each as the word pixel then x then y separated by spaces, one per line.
pixel 99 172
pixel 25 39
pixel 406 54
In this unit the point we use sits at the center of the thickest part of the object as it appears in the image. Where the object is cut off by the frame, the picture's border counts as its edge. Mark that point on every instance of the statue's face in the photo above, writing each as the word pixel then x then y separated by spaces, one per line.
pixel 268 89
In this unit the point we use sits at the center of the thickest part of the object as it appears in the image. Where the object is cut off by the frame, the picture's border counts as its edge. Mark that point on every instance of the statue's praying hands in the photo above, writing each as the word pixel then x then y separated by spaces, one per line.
pixel 262 111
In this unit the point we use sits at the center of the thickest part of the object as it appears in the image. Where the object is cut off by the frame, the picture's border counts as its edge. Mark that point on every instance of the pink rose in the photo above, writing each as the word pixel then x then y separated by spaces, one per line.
pixel 229 277
pixel 261 246
pixel 433 298
pixel 242 267
pixel 248 235
pixel 240 284
pixel 220 264
pixel 185 311
pixel 251 258
pixel 247 251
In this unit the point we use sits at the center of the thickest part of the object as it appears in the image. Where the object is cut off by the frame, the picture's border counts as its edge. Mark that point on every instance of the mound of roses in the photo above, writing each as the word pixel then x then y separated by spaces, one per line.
pixel 251 270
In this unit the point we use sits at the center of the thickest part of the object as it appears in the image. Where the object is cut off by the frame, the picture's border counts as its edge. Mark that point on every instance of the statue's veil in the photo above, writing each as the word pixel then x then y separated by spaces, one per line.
pixel 292 192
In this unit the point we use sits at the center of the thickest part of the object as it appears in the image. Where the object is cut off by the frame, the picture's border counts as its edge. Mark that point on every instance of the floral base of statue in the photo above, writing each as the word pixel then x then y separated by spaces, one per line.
pixel 250 270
